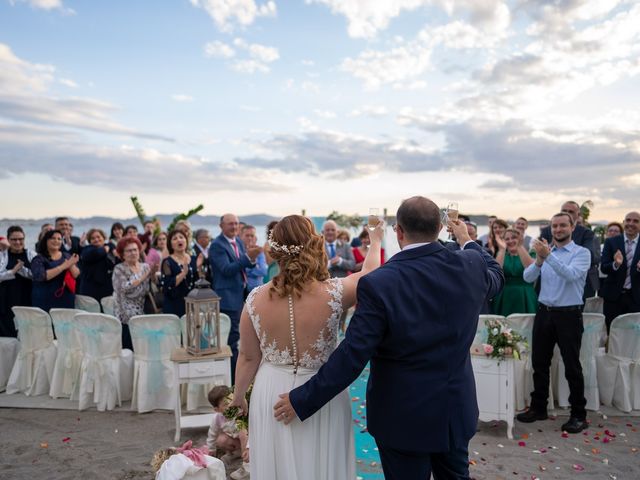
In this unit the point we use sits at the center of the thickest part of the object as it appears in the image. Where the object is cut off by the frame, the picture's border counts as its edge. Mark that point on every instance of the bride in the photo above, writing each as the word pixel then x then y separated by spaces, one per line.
pixel 288 329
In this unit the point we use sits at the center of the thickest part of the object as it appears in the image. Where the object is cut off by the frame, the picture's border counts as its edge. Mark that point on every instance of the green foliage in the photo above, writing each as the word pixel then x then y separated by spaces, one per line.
pixel 503 341
pixel 600 231
pixel 142 216
pixel 585 211
pixel 346 221
pixel 184 216
pixel 234 413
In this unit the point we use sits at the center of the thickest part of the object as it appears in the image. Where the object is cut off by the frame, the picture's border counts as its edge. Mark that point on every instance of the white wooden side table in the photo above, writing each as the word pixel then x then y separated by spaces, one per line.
pixel 215 368
pixel 495 388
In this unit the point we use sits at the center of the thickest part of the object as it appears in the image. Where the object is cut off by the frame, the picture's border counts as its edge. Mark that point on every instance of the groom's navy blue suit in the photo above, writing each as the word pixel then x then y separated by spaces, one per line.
pixel 415 322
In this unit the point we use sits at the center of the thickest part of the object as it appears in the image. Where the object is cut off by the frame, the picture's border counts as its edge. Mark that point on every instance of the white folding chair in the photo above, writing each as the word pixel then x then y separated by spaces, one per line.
pixel 589 350
pixel 195 395
pixel 33 368
pixel 593 305
pixel 66 371
pixel 154 337
pixel 106 372
pixel 522 323
pixel 107 304
pixel 619 370
pixel 87 304
pixel 9 347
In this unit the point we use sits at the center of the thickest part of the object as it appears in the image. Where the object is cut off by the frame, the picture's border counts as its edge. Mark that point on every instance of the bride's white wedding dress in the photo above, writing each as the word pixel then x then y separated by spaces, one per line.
pixel 321 447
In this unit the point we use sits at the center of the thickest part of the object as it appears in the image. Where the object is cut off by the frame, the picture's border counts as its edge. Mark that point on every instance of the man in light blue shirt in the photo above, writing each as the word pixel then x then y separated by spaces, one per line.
pixel 562 269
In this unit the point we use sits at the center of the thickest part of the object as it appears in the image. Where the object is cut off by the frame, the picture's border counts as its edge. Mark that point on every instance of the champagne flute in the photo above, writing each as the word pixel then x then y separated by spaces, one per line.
pixel 452 214
pixel 452 211
pixel 373 219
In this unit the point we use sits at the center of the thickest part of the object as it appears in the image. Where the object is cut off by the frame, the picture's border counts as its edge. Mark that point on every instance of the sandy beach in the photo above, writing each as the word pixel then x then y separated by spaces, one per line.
pixel 67 444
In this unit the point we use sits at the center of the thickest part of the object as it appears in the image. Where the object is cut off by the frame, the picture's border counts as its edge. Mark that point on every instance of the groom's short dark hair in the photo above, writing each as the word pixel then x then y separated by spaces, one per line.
pixel 419 218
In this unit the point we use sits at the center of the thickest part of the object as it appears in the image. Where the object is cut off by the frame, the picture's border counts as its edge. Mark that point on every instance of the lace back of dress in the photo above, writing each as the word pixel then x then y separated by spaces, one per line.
pixel 304 339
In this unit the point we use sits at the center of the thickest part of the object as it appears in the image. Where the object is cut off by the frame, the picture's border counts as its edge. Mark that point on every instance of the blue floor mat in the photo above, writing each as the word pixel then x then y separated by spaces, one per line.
pixel 367 457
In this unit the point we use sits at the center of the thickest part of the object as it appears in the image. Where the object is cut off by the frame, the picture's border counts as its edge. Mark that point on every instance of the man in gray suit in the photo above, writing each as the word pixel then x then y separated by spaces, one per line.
pixel 341 260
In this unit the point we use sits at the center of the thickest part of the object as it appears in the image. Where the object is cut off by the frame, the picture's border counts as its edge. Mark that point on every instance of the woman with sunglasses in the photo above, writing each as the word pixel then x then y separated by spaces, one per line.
pixel 15 279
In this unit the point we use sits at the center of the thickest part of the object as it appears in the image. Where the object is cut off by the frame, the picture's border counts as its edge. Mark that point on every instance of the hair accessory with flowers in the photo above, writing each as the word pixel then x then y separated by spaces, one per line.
pixel 288 249
pixel 502 341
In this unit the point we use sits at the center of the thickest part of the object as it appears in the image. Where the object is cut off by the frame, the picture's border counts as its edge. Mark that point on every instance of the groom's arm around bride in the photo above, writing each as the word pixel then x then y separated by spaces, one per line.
pixel 415 321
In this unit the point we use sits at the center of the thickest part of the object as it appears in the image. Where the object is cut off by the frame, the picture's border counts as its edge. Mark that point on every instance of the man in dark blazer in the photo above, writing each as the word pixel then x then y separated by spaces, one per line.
pixel 621 263
pixel 415 322
pixel 585 238
pixel 228 259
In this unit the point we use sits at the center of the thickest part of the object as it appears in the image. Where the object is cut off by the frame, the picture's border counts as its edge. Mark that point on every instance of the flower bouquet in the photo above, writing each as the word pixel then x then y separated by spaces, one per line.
pixel 502 341
pixel 234 413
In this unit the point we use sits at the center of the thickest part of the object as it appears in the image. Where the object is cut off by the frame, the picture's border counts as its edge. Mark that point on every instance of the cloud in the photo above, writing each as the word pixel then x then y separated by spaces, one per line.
pixel 370 111
pixel 259 56
pixel 366 19
pixel 123 168
pixel 227 14
pixel 326 114
pixel 68 82
pixel 25 98
pixel 46 5
pixel 181 97
pixel 406 61
pixel 218 49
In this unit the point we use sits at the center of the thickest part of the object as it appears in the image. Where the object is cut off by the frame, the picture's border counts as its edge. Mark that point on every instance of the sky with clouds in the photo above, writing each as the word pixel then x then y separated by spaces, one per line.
pixel 508 107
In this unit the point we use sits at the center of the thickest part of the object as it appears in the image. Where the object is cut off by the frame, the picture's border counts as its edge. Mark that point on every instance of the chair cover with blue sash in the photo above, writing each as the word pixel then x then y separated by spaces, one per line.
pixel 619 369
pixel 9 347
pixel 154 337
pixel 106 374
pixel 33 369
pixel 66 371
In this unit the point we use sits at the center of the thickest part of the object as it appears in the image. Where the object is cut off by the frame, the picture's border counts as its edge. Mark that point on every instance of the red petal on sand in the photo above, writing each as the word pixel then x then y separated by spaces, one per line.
pixel 522 444
pixel 605 440
pixel 578 467
pixel 564 435
pixel 66 439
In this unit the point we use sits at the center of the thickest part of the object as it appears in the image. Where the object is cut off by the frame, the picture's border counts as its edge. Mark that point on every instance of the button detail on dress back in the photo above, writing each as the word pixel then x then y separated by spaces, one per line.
pixel 292 330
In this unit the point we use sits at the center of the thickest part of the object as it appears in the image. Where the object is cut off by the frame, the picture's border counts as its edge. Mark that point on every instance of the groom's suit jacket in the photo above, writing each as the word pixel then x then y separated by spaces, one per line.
pixel 415 321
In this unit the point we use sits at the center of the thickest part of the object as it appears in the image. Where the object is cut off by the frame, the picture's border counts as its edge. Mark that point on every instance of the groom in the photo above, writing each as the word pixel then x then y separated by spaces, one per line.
pixel 415 321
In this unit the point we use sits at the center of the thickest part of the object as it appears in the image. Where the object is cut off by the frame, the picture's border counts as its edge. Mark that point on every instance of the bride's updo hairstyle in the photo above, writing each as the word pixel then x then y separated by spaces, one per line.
pixel 300 254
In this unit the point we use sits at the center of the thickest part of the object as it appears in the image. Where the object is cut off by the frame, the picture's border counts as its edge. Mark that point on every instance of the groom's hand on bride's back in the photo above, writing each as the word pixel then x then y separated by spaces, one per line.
pixel 283 410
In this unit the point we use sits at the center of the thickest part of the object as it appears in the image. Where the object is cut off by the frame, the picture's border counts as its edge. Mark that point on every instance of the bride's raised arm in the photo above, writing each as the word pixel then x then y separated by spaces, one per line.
pixel 371 262
pixel 249 358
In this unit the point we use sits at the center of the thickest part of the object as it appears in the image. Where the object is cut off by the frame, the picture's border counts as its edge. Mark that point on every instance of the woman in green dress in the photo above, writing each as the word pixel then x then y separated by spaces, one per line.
pixel 517 295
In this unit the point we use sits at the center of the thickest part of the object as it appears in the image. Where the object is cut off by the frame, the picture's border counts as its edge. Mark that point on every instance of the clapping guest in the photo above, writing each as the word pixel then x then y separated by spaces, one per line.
pixel 178 273
pixel 15 279
pixel 255 275
pixel 70 244
pixel 130 285
pixel 614 229
pixel 117 232
pixel 521 225
pixel 43 229
pixel 201 247
pixel 272 265
pixel 54 273
pixel 160 245
pixel 498 227
pixel 185 226
pixel 360 252
pixel 517 296
pixel 97 266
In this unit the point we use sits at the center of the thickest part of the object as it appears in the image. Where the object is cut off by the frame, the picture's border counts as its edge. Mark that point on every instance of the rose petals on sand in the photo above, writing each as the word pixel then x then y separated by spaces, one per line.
pixel 66 439
pixel 522 444
pixel 564 435
pixel 577 467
